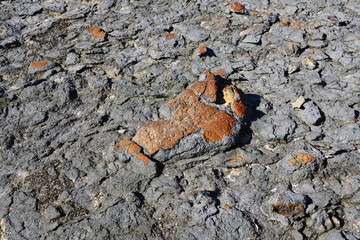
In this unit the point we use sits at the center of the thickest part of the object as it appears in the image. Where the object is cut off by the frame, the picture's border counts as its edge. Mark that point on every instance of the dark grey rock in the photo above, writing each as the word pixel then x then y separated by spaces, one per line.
pixel 311 114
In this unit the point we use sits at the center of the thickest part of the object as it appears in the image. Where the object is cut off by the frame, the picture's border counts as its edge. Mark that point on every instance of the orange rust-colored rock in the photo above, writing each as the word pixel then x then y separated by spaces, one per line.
pixel 211 88
pixel 288 210
pixel 198 87
pixel 218 126
pixel 39 64
pixel 301 159
pixel 144 158
pixel 128 146
pixel 237 8
pixel 186 96
pixel 202 49
pixel 239 109
pixel 285 23
pixel 190 115
pixel 170 36
pixel 96 32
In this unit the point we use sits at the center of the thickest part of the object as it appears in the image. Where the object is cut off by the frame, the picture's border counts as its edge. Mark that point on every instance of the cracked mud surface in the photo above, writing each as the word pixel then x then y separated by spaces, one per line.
pixel 79 79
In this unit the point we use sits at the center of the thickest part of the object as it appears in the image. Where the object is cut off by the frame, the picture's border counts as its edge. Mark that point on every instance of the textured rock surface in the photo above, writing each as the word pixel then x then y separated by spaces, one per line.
pixel 124 119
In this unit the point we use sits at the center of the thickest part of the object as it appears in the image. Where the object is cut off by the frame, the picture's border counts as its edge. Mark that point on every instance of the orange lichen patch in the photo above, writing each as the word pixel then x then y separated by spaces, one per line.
pixel 218 126
pixel 301 159
pixel 39 64
pixel 202 49
pixel 301 25
pixel 196 113
pixel 254 12
pixel 296 25
pixel 227 206
pixel 96 32
pixel 163 134
pixel 288 210
pixel 198 87
pixel 285 23
pixel 235 160
pixel 128 146
pixel 186 96
pixel 237 8
pixel 144 158
pixel 170 36
pixel 221 72
pixel 239 109
pixel 211 88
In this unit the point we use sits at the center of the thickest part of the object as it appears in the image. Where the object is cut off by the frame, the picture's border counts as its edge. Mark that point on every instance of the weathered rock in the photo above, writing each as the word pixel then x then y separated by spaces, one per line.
pixel 209 126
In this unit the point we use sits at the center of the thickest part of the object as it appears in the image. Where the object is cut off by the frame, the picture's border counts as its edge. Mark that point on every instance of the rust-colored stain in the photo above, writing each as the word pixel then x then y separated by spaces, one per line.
pixel 128 146
pixel 302 25
pixel 235 160
pixel 202 49
pixel 186 96
pixel 237 8
pixel 301 159
pixel 218 126
pixel 211 88
pixel 39 64
pixel 170 36
pixel 285 23
pixel 96 32
pixel 198 87
pixel 288 210
pixel 221 72
pixel 144 158
pixel 239 108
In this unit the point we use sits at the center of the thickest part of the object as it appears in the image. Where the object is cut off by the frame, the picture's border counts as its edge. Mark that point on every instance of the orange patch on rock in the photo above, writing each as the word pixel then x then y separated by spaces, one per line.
pixel 144 158
pixel 220 72
pixel 296 25
pixel 186 96
pixel 235 160
pixel 39 64
pixel 218 126
pixel 285 23
pixel 128 146
pixel 198 87
pixel 239 109
pixel 288 210
pixel 170 36
pixel 202 49
pixel 96 32
pixel 162 134
pixel 196 113
pixel 301 159
pixel 237 8
pixel 211 88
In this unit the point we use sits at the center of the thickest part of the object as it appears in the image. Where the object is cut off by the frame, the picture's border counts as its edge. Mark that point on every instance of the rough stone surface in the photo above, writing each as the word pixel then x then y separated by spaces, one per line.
pixel 125 119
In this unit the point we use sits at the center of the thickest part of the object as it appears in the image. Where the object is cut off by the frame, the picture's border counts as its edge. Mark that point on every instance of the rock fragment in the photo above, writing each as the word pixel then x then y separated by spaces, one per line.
pixel 310 114
pixel 96 32
pixel 194 122
pixel 40 66
pixel 238 8
pixel 298 103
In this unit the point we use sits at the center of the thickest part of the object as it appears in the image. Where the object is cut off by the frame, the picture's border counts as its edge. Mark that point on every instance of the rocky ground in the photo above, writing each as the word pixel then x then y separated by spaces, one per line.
pixel 125 119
